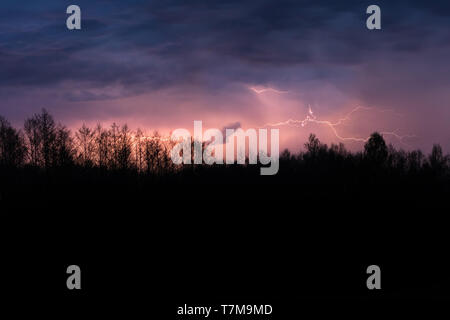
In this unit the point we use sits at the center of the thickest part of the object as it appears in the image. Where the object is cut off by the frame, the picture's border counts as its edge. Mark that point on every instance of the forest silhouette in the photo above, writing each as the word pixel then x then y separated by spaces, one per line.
pixel 45 158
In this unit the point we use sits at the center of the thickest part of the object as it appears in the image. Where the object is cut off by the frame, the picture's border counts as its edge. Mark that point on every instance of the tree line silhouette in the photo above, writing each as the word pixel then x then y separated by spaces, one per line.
pixel 44 144
pixel 45 153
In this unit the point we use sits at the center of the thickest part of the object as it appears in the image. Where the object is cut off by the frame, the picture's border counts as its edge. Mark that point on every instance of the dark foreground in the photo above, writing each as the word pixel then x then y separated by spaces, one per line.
pixel 146 245
pixel 148 241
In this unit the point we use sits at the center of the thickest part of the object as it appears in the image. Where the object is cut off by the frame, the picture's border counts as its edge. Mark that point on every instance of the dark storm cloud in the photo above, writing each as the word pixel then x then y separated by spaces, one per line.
pixel 163 43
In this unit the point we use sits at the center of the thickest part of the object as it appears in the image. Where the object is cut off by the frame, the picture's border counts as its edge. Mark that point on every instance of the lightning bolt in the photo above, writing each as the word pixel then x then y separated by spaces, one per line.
pixel 259 91
pixel 332 125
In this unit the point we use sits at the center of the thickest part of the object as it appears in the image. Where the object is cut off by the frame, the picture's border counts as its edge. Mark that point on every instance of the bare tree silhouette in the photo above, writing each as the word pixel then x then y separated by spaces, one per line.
pixel 85 140
pixel 12 145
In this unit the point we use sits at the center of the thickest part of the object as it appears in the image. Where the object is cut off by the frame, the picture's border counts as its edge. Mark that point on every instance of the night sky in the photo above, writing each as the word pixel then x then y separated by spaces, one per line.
pixel 163 64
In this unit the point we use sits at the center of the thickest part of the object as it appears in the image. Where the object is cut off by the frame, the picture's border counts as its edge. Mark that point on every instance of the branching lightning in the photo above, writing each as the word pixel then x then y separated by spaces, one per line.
pixel 263 90
pixel 332 125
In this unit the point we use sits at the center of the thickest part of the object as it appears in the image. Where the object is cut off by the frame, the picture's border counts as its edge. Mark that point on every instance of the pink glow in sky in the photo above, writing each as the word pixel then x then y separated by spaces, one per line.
pixel 162 65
